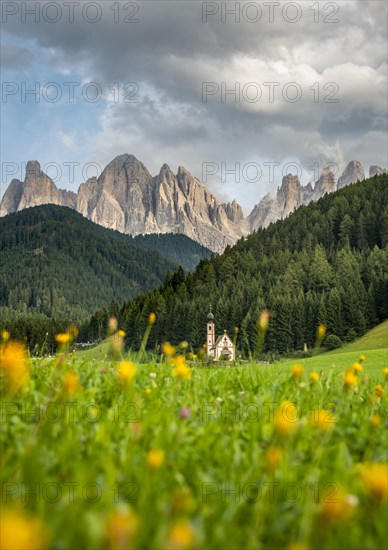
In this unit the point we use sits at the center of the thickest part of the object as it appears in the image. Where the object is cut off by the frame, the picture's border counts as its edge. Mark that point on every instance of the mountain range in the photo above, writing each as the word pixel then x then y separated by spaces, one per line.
pixel 126 198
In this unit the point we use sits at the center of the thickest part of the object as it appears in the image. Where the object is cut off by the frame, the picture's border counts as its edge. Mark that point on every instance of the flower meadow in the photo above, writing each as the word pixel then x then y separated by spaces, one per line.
pixel 123 451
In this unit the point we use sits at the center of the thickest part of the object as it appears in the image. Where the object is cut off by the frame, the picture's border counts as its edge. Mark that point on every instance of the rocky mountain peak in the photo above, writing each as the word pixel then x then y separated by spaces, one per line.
pixel 127 198
pixel 376 171
pixel 353 172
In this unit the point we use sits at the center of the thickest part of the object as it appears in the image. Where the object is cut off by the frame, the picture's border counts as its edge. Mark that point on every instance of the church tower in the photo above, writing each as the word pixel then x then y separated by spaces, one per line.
pixel 210 336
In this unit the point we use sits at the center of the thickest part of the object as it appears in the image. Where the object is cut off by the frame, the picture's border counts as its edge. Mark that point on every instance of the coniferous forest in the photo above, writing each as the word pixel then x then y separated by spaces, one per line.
pixel 325 264
pixel 57 268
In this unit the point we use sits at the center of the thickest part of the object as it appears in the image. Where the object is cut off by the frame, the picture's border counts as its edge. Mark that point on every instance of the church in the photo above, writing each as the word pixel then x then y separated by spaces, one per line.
pixel 221 349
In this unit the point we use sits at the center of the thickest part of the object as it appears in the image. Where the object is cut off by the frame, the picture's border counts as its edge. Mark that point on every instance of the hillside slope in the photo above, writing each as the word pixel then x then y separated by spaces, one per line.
pixel 326 263
pixel 54 261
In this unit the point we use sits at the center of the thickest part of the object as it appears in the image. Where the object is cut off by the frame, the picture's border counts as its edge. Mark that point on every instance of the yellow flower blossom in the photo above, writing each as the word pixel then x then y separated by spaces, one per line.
pixel 273 458
pixel 385 371
pixel 357 367
pixel 15 364
pixel 112 325
pixel 19 531
pixel 5 335
pixel 337 507
pixel 168 350
pixel 127 371
pixel 296 371
pixel 181 370
pixel 71 383
pixel 321 331
pixel 264 320
pixel 322 419
pixel 62 339
pixel 379 390
pixel 151 318
pixel 375 478
pixel 181 535
pixel 375 420
pixel 350 379
pixel 314 377
pixel 121 333
pixel 122 526
pixel 362 358
pixel 155 459
pixel 148 391
pixel 285 419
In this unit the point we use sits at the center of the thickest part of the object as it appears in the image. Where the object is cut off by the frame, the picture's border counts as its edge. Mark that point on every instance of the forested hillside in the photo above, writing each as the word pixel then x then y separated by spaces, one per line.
pixel 55 262
pixel 327 263
pixel 176 247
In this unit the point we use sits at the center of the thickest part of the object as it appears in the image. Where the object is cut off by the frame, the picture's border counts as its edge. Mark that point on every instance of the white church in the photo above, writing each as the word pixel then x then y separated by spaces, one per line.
pixel 221 349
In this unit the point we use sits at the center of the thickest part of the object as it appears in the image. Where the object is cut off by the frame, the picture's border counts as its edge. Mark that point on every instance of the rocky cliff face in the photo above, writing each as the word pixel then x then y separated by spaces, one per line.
pixel 353 172
pixel 127 198
pixel 292 194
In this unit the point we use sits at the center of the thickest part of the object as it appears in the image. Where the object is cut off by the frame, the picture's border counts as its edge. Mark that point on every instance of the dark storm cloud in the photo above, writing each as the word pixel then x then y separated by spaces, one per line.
pixel 170 52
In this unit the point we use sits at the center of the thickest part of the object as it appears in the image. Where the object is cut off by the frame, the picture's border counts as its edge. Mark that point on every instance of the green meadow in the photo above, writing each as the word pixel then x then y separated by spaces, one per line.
pixel 100 452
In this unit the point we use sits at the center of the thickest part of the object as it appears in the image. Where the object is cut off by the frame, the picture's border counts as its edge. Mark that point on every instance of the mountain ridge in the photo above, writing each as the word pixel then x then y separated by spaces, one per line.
pixel 127 198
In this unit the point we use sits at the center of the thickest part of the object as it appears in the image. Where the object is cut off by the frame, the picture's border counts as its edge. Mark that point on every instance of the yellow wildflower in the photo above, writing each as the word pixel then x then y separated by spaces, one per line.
pixel 181 369
pixel 321 332
pixel 362 358
pixel 375 478
pixel 380 391
pixel 375 420
pixel 112 325
pixel 168 350
pixel 71 384
pixel 155 459
pixel 314 377
pixel 20 531
pixel 350 379
pixel 296 371
pixel 148 391
pixel 273 458
pixel 285 419
pixel 5 335
pixel 121 333
pixel 127 371
pixel 181 535
pixel 122 527
pixel 385 371
pixel 264 320
pixel 151 318
pixel 322 419
pixel 338 506
pixel 62 339
pixel 357 367
pixel 14 362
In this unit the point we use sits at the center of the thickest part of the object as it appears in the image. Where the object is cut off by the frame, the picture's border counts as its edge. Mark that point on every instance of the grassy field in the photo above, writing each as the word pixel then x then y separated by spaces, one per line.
pixel 101 453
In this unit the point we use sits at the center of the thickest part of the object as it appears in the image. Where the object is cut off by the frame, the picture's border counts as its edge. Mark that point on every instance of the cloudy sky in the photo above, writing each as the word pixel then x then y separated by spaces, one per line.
pixel 227 89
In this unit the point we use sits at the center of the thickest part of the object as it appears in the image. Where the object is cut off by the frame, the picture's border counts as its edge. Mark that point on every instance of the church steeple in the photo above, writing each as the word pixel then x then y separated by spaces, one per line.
pixel 210 335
